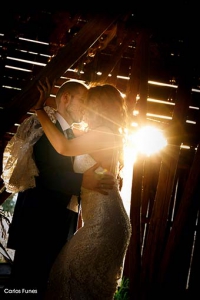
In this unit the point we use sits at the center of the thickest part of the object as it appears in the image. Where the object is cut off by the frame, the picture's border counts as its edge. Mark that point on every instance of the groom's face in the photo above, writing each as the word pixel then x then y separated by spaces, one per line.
pixel 75 106
pixel 92 113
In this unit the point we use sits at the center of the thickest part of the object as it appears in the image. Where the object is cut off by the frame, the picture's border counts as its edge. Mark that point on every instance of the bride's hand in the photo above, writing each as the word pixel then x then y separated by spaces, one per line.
pixel 44 89
pixel 79 128
pixel 78 132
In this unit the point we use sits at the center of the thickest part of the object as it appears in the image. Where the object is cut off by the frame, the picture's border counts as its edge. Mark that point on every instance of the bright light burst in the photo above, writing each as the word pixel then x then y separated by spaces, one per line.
pixel 148 140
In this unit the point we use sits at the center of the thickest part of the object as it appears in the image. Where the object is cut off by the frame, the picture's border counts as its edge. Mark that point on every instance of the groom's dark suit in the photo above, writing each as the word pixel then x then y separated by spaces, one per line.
pixel 41 223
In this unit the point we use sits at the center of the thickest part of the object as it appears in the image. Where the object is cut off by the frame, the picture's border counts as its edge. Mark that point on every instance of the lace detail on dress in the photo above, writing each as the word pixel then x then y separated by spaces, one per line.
pixel 19 169
pixel 90 264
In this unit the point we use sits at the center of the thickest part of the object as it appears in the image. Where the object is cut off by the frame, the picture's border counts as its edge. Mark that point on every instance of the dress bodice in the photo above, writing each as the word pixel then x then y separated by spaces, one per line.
pixel 84 162
pixel 92 202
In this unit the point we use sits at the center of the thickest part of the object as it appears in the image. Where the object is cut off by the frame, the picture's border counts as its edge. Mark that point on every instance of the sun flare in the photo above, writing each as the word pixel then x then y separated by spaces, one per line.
pixel 148 140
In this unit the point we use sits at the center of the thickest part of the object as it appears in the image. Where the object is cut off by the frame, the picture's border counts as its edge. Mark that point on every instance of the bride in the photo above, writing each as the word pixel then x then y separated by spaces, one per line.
pixel 90 264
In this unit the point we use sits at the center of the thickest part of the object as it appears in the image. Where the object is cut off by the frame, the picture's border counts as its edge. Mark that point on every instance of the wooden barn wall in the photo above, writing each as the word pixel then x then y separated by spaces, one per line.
pixel 163 257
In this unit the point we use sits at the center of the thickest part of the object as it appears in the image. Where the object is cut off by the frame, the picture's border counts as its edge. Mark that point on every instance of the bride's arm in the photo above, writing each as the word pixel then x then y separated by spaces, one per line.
pixel 89 142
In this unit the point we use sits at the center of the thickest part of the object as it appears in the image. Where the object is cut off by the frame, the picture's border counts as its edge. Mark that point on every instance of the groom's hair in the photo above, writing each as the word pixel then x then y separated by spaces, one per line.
pixel 71 87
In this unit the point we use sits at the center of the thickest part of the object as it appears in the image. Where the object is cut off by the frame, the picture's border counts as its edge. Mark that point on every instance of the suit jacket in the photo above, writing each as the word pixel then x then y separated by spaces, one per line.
pixel 40 213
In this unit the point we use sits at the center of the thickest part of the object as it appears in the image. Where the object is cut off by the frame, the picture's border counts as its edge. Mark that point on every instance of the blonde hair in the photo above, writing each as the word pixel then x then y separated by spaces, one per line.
pixel 110 110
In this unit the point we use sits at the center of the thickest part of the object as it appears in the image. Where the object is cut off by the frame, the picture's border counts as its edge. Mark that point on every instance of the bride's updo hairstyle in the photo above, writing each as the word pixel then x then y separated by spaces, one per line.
pixel 107 106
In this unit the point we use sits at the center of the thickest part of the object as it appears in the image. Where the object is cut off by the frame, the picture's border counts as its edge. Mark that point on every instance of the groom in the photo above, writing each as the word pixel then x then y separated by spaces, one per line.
pixel 42 223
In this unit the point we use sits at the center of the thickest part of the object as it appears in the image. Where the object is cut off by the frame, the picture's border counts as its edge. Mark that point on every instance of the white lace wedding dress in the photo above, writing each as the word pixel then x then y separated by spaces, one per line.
pixel 90 264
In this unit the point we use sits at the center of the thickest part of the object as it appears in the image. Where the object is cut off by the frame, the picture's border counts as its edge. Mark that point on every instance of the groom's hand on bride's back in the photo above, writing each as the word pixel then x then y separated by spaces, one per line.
pixel 98 181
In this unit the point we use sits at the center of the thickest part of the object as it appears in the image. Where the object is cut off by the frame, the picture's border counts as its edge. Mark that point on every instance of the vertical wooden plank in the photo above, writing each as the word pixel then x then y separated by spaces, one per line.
pixel 193 280
pixel 185 216
pixel 133 258
pixel 177 252
pixel 158 221
pixel 138 83
pixel 150 180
